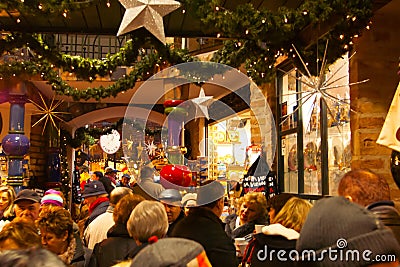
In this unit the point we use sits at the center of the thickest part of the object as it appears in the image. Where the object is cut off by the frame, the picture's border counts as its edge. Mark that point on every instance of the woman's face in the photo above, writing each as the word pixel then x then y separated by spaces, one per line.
pixel 4 200
pixel 50 241
pixel 247 212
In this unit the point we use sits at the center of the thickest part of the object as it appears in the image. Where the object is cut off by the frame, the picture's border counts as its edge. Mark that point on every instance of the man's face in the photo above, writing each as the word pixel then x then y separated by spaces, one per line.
pixel 89 200
pixel 27 210
pixel 172 212
pixel 125 180
pixel 94 177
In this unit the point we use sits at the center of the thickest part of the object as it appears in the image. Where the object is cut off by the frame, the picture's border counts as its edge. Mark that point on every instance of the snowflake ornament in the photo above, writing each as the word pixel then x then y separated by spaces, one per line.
pixel 151 148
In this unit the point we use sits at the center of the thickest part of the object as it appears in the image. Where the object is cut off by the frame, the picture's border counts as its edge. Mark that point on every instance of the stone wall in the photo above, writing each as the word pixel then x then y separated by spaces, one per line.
pixel 376 59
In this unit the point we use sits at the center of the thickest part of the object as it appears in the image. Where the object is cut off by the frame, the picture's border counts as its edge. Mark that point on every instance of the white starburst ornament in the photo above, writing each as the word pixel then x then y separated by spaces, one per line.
pixel 148 14
pixel 48 112
pixel 151 148
pixel 202 102
pixel 317 88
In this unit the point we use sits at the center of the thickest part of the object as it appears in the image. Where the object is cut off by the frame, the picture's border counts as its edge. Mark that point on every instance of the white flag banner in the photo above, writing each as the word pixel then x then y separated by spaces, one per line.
pixel 390 133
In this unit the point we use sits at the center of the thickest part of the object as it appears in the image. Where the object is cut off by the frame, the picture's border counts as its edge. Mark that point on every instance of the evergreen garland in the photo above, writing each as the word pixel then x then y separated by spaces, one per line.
pixel 261 36
pixel 256 39
pixel 45 7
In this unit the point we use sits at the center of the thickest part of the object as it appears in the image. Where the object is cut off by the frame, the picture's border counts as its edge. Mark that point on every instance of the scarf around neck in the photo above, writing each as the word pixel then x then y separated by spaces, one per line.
pixel 96 203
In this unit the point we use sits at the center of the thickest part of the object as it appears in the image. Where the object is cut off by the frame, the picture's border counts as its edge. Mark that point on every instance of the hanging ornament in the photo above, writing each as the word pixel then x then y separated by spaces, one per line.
pixel 48 112
pixel 148 14
pixel 202 102
pixel 139 150
pixel 317 88
pixel 395 166
pixel 151 149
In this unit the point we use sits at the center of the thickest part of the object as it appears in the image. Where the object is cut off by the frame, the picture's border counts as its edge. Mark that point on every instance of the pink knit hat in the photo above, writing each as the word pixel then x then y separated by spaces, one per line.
pixel 52 197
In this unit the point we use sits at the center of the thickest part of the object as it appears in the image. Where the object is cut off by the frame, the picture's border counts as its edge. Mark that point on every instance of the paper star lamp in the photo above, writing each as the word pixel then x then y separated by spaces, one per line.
pixel 48 112
pixel 148 14
pixel 202 102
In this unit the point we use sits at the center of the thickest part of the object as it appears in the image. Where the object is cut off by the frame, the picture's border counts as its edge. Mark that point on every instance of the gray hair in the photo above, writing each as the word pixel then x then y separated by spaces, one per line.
pixel 118 193
pixel 34 257
pixel 147 219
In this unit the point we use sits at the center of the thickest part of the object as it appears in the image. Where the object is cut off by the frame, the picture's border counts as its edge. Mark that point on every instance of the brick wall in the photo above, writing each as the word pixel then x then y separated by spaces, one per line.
pixel 377 53
pixel 38 154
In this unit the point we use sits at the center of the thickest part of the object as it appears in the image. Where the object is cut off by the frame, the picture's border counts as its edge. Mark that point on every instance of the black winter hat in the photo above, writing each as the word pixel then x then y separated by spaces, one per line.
pixel 346 230
pixel 28 194
pixel 93 188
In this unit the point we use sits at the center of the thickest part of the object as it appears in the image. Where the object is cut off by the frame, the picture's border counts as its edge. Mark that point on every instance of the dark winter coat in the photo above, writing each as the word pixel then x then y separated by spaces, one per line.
pixel 82 254
pixel 107 184
pixel 131 254
pixel 172 225
pixel 203 226
pixel 243 230
pixel 259 251
pixel 113 249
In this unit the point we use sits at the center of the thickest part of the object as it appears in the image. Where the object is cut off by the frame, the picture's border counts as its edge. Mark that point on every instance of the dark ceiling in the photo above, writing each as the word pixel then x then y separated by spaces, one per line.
pixel 98 19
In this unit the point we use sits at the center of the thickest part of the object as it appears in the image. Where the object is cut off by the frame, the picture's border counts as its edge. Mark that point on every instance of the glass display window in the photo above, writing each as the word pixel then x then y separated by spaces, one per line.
pixel 228 144
pixel 314 126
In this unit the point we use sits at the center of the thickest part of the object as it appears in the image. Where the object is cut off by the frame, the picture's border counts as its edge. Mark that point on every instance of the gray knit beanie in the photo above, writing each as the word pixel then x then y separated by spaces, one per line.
pixel 172 252
pixel 342 233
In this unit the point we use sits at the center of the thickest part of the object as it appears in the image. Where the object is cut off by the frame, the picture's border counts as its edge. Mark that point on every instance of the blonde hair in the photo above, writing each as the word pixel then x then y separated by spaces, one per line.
pixel 9 210
pixel 147 219
pixel 259 202
pixel 293 214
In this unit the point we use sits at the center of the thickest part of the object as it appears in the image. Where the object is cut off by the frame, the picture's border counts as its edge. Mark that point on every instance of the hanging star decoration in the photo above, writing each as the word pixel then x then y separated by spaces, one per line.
pixel 317 88
pixel 129 144
pixel 139 150
pixel 48 112
pixel 202 102
pixel 148 14
pixel 151 148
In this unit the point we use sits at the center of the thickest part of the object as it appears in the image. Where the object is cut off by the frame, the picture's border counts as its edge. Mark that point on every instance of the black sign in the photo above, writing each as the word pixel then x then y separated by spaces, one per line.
pixel 267 184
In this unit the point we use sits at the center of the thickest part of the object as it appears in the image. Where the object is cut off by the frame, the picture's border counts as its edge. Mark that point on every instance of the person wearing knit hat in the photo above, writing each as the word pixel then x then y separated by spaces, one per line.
pixel 338 232
pixel 52 197
pixel 184 253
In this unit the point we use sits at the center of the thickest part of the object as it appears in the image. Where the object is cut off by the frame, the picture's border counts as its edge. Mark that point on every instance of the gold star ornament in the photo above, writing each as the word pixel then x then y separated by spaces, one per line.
pixel 148 14
pixel 48 112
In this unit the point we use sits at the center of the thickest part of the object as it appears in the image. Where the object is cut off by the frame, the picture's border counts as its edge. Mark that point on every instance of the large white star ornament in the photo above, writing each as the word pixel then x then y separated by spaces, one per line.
pixel 148 14
pixel 202 102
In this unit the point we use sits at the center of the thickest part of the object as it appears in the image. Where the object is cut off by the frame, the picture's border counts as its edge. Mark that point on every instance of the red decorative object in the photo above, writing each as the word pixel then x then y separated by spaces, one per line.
pixel 152 239
pixel 172 102
pixel 179 175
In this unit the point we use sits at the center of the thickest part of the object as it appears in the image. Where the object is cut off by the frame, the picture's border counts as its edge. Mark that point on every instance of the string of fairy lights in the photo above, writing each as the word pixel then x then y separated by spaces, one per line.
pixel 257 38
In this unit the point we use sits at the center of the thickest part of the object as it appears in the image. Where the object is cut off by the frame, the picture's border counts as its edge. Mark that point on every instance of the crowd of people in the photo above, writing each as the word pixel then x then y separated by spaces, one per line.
pixel 155 227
